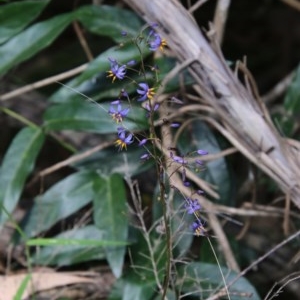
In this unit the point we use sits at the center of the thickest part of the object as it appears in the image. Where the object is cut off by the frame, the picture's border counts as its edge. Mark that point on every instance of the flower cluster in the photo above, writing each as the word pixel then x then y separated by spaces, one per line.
pixel 145 93
pixel 192 205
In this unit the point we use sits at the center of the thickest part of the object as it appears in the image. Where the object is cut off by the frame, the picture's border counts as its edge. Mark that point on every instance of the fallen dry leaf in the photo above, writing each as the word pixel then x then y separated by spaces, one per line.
pixel 40 281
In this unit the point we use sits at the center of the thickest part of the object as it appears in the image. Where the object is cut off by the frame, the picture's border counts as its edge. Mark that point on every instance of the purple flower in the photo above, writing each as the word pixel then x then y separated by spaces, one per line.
pixel 192 206
pixel 123 33
pixel 156 42
pixel 199 162
pixel 131 63
pixel 200 192
pixel 145 156
pixel 178 159
pixel 202 152
pixel 198 228
pixel 175 125
pixel 142 142
pixel 116 71
pixel 124 94
pixel 124 138
pixel 186 183
pixel 119 113
pixel 151 108
pixel 145 92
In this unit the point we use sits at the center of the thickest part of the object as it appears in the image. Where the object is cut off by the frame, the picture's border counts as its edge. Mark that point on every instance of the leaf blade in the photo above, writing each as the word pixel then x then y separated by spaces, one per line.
pixel 15 167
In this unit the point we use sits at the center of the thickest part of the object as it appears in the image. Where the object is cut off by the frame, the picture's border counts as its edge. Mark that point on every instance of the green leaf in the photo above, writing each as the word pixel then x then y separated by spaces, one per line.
pixel 123 162
pixel 109 21
pixel 286 120
pixel 111 217
pixel 72 242
pixel 201 279
pixel 17 15
pixel 93 82
pixel 199 136
pixel 22 287
pixel 292 98
pixel 17 164
pixel 31 41
pixel 135 288
pixel 73 252
pixel 60 201
pixel 85 116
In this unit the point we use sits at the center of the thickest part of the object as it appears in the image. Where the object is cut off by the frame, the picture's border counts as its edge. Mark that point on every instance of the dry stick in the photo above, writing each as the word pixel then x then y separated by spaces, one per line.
pixel 233 104
pixel 83 41
pixel 220 18
pixel 278 89
pixel 255 263
pixel 209 207
pixel 196 5
pixel 293 3
pixel 74 159
pixel 43 82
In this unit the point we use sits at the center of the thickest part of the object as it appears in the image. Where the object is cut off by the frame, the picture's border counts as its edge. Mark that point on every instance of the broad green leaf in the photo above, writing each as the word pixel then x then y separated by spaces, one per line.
pixel 68 254
pixel 287 120
pixel 199 136
pixel 60 201
pixel 201 279
pixel 111 217
pixel 109 21
pixel 17 164
pixel 292 98
pixel 81 115
pixel 17 15
pixel 93 82
pixel 127 163
pixel 32 40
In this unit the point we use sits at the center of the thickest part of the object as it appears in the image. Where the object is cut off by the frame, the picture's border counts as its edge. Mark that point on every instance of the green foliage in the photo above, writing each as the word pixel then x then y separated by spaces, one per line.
pixel 17 15
pixel 114 229
pixel 204 278
pixel 17 164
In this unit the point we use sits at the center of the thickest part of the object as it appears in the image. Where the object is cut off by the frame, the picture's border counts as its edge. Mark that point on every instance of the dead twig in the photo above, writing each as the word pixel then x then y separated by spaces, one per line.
pixel 43 82
pixel 220 18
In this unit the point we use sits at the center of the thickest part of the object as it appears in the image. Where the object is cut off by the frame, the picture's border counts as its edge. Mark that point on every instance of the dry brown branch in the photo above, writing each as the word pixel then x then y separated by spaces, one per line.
pixel 279 88
pixel 43 82
pixel 220 18
pixel 293 3
pixel 240 114
pixel 74 159
pixel 255 263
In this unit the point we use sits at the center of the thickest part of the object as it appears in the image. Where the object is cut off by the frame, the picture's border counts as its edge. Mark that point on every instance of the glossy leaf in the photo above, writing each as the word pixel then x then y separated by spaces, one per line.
pixel 17 15
pixel 109 21
pixel 287 121
pixel 93 82
pixel 180 223
pixel 201 279
pixel 17 164
pixel 70 254
pixel 86 116
pixel 200 136
pixel 111 217
pixel 60 201
pixel 32 40
pixel 123 162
